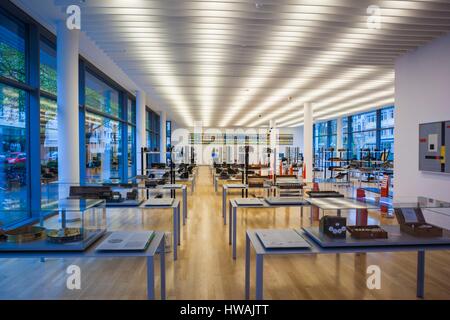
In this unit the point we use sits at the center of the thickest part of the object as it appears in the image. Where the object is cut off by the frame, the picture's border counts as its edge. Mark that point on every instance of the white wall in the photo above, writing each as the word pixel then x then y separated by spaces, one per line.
pixel 422 94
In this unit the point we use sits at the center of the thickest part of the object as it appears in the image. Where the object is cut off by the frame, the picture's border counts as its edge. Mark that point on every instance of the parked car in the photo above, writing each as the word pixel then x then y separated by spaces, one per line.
pixel 16 157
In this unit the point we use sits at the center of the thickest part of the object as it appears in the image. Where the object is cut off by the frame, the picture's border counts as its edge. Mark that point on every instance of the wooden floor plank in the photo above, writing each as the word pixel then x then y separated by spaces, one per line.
pixel 205 269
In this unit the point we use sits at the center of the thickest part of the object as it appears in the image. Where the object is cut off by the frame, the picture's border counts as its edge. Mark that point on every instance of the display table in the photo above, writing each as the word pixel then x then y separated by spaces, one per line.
pixel 183 189
pixel 240 186
pixel 232 229
pixel 396 244
pixel 155 246
pixel 175 222
pixel 192 180
pixel 216 179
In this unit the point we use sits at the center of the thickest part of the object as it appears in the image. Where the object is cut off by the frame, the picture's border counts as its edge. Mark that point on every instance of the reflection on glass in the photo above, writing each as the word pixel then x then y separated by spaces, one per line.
pixel 364 121
pixel 131 148
pixel 49 150
pixel 12 49
pixel 103 148
pixel 13 156
pixel 363 140
pixel 131 111
pixel 48 68
pixel 101 97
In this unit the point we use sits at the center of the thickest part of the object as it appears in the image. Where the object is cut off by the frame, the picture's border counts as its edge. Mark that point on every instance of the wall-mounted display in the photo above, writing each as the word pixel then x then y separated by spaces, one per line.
pixel 433 152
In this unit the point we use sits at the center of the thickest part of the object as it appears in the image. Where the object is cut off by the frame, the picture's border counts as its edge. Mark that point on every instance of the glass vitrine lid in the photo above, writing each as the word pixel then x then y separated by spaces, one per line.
pixel 72 204
pixel 411 202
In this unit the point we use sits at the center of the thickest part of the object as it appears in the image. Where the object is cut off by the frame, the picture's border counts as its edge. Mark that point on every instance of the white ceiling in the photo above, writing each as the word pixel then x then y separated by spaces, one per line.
pixel 242 63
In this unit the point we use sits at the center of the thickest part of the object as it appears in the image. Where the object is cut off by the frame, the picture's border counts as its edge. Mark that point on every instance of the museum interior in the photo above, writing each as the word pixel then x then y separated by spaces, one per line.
pixel 225 150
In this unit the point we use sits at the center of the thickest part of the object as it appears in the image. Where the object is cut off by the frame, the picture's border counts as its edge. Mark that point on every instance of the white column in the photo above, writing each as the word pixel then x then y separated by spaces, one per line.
pixel 308 140
pixel 68 108
pixel 163 134
pixel 140 128
pixel 339 144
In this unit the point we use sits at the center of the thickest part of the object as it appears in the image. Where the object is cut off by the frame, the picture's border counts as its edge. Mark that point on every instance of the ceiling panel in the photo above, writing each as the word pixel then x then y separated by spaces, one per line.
pixel 243 63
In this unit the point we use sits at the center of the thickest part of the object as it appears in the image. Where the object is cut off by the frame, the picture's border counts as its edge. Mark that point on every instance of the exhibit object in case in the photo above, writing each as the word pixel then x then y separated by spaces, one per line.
pixel 126 241
pixel 65 225
pixel 412 221
pixel 249 202
pixel 367 232
pixel 281 239
pixel 334 227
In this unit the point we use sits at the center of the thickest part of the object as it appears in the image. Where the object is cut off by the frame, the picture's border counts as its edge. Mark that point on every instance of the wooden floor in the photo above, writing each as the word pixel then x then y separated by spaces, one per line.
pixel 205 269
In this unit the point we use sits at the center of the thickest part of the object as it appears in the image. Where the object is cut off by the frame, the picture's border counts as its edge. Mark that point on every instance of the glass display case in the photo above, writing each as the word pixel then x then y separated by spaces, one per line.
pixel 64 225
pixel 420 221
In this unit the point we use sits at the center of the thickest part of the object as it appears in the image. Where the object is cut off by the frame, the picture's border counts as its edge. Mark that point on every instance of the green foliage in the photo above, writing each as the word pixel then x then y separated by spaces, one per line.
pixel 48 79
pixel 12 63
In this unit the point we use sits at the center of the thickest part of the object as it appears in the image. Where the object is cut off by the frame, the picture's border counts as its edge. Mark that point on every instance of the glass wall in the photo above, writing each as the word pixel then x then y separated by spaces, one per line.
pixel 47 69
pixel 13 153
pixel 29 123
pixel 153 138
pixel 13 122
pixel 101 97
pixel 364 129
pixel 168 140
pixel 48 122
pixel 103 148
pixel 12 49
pixel 372 131
pixel 325 135
pixel 131 137
pixel 387 132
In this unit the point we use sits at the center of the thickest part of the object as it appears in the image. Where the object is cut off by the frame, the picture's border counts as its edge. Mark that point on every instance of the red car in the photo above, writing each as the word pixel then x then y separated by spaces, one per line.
pixel 16 157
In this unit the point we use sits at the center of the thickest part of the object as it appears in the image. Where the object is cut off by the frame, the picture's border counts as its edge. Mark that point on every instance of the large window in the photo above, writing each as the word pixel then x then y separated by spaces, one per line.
pixel 12 49
pixel 372 131
pixel 101 97
pixel 48 123
pixel 103 148
pixel 168 140
pixel 14 187
pixel 13 152
pixel 364 129
pixel 103 131
pixel 387 132
pixel 47 69
pixel 153 130
pixel 29 122
pixel 324 135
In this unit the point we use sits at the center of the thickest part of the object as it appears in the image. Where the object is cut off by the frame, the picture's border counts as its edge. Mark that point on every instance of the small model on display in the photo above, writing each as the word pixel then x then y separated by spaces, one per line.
pixel 64 235
pixel 22 234
pixel 367 232
pixel 413 222
pixel 334 227
pixel 324 194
